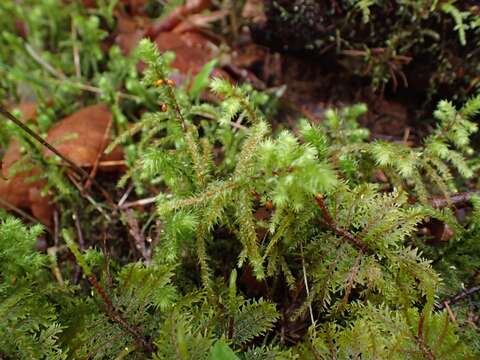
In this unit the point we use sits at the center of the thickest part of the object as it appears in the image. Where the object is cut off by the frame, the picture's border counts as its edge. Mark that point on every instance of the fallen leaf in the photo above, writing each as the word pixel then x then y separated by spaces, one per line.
pixel 79 137
pixel 192 51
pixel 19 190
pixel 15 189
pixel 169 22
pixel 196 21
pixel 130 30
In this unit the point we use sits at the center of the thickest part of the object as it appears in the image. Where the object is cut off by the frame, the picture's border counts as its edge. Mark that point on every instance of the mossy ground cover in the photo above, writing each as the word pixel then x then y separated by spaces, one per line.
pixel 239 180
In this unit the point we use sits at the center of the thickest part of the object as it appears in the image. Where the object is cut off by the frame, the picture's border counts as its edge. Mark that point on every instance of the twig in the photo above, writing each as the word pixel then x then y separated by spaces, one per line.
pixel 60 77
pixel 176 107
pixel 420 340
pixel 306 284
pixel 458 297
pixel 97 90
pixel 137 235
pixel 125 196
pixel 78 226
pixel 76 57
pixel 236 125
pixel 81 245
pixel 111 163
pixel 450 312
pixel 89 198
pixel 140 202
pixel 43 142
pixel 56 229
pixel 81 172
pixel 11 207
pixel 106 261
pixel 112 312
pixel 358 243
pixel 52 252
pixel 42 62
pixel 406 135
pixel 101 150
pixel 459 199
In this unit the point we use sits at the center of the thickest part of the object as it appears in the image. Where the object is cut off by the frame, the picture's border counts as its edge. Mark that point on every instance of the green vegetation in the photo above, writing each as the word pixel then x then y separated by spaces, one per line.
pixel 309 242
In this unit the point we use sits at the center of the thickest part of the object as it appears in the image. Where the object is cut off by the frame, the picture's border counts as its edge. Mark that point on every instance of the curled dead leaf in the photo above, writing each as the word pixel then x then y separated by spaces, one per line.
pixel 192 51
pixel 20 191
pixel 80 136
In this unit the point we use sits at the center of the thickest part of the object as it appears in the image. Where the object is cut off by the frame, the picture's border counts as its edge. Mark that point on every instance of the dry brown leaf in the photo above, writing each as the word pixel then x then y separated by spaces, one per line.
pixel 130 31
pixel 187 58
pixel 15 189
pixel 192 51
pixel 197 21
pixel 176 16
pixel 19 190
pixel 79 136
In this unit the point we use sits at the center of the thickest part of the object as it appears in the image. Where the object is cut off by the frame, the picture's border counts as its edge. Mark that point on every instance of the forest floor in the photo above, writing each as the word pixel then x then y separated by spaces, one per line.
pixel 237 41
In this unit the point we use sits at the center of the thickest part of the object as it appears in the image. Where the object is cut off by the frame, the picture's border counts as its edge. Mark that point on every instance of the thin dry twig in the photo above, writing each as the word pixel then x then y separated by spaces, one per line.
pixel 89 198
pixel 101 150
pixel 81 245
pixel 52 252
pixel 61 78
pixel 76 56
pixel 420 340
pixel 458 297
pixel 111 163
pixel 56 229
pixel 11 207
pixel 141 202
pixel 5 113
pixel 31 51
pixel 78 226
pixel 137 235
pixel 458 200
pixel 125 195
pixel 96 90
pixel 80 171
pixel 450 313
pixel 307 289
